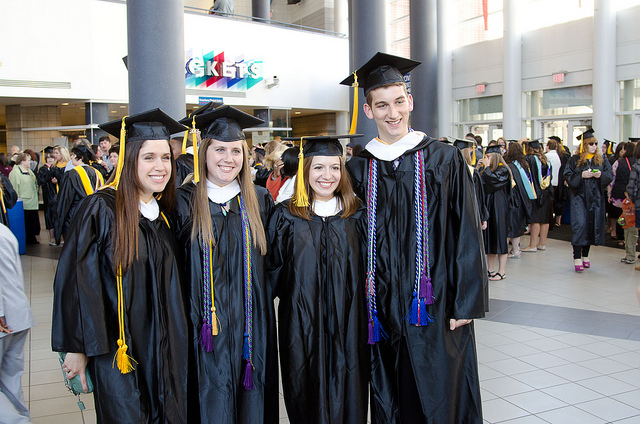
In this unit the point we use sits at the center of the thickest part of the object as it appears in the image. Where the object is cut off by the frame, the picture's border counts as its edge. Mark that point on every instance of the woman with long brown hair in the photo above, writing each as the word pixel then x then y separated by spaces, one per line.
pixel 118 299
pixel 522 193
pixel 587 175
pixel 220 223
pixel 317 264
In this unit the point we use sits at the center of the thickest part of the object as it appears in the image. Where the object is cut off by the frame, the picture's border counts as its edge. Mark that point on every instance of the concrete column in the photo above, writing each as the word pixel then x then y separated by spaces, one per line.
pixel 424 79
pixel 155 35
pixel 96 113
pixel 604 69
pixel 367 29
pixel 342 123
pixel 445 72
pixel 512 72
pixel 261 9
pixel 340 17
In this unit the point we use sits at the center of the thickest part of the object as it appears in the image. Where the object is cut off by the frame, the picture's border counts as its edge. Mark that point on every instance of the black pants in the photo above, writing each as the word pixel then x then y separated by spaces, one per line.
pixel 580 252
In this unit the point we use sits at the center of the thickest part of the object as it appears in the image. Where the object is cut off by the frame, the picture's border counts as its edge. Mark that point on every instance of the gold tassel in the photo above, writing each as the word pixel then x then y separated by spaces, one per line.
pixel 215 323
pixel 120 164
pixel 4 209
pixel 581 143
pixel 122 359
pixel 474 155
pixel 524 148
pixel 610 149
pixel 184 142
pixel 196 162
pixel 302 198
pixel 354 117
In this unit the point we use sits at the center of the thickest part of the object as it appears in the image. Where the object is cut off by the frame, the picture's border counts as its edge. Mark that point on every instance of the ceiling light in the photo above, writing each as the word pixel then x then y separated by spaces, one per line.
pixel 65 104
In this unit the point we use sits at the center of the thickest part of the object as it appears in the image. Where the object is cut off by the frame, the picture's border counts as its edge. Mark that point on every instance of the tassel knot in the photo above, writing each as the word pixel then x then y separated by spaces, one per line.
pixel 206 337
pixel 247 381
pixel 414 317
pixel 245 347
pixel 123 361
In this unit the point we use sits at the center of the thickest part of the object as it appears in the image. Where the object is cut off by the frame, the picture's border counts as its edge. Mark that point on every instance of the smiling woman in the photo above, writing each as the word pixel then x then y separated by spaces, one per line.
pixel 119 261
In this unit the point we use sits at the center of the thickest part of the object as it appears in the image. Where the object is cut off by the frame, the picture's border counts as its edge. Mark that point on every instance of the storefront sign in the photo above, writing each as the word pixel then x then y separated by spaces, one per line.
pixel 217 72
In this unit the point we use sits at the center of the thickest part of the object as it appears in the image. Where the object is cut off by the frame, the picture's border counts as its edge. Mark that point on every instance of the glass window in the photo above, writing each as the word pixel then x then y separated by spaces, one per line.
pixel 629 95
pixel 560 101
pixel 480 109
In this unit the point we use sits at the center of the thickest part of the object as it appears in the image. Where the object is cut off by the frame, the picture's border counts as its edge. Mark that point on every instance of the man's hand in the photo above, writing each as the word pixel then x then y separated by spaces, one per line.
pixel 457 323
pixel 76 364
pixel 4 328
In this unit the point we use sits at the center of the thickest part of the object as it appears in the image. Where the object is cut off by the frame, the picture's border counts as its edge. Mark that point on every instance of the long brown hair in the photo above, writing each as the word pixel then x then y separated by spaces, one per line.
pixel 127 200
pixel 344 193
pixel 201 214
pixel 584 148
pixel 539 152
pixel 514 153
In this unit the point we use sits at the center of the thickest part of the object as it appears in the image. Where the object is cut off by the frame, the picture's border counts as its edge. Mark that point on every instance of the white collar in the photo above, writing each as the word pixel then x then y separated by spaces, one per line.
pixel 389 152
pixel 328 208
pixel 189 150
pixel 150 210
pixel 222 195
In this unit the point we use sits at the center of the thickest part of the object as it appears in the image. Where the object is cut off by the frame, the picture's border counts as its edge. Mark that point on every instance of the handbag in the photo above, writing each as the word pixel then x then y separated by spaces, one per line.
pixel 75 385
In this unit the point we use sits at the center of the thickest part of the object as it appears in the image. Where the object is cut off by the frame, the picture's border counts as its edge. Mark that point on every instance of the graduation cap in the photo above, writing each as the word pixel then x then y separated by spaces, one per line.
pixel 634 139
pixel 493 149
pixel 466 144
pixel 382 69
pixel 587 134
pixel 48 149
pixel 222 124
pixel 609 144
pixel 444 140
pixel 189 121
pixel 555 138
pixel 153 124
pixel 323 145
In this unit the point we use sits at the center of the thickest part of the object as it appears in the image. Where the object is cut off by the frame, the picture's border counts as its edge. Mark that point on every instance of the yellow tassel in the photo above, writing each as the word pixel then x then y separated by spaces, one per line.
pixel 581 143
pixel 4 209
pixel 214 322
pixel 302 198
pixel 120 164
pixel 196 161
pixel 354 117
pixel 123 360
pixel 524 148
pixel 474 155
pixel 610 149
pixel 184 142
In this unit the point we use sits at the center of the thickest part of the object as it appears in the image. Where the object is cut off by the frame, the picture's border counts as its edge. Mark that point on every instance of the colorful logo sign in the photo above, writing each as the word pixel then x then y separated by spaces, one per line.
pixel 217 72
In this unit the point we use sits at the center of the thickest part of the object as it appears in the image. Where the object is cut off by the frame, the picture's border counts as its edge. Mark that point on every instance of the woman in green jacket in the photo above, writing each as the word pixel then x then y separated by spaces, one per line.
pixel 24 182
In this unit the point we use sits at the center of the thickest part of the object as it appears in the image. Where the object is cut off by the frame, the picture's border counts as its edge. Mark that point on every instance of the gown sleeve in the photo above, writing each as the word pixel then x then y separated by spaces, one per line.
pixel 79 316
pixel 469 271
pixel 10 196
pixel 277 241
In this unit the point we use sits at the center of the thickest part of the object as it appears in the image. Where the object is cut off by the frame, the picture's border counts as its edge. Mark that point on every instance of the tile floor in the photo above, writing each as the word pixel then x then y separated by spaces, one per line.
pixel 556 346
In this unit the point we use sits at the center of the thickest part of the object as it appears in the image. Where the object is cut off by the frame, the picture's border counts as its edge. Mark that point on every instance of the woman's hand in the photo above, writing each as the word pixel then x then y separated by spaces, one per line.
pixel 587 174
pixel 76 364
pixel 597 174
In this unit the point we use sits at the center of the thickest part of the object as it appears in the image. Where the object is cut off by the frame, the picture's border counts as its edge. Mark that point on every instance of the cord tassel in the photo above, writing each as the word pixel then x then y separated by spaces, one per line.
pixel 423 285
pixel 378 332
pixel 215 323
pixel 414 317
pixel 245 347
pixel 247 381
pixel 206 338
pixel 356 106
pixel 302 198
pixel 425 318
pixel 123 361
pixel 370 340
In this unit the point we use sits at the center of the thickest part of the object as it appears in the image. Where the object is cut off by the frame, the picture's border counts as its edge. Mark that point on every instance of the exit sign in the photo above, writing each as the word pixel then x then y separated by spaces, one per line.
pixel 480 88
pixel 558 77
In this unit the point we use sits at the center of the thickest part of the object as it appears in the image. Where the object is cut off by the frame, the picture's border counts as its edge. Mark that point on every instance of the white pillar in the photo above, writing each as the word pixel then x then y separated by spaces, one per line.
pixel 604 69
pixel 341 17
pixel 445 73
pixel 342 123
pixel 511 72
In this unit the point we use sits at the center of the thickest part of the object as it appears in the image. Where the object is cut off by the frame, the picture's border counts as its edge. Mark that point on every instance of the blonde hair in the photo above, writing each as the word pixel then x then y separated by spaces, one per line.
pixel 202 228
pixel 64 152
pixel 583 152
pixel 273 157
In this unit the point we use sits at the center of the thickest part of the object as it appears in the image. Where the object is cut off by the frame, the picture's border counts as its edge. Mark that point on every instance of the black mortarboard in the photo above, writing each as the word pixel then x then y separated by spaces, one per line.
pixel 381 69
pixel 153 124
pixel 534 144
pixel 225 123
pixel 556 138
pixel 634 139
pixel 494 149
pixel 464 144
pixel 609 144
pixel 205 108
pixel 323 145
pixel 587 134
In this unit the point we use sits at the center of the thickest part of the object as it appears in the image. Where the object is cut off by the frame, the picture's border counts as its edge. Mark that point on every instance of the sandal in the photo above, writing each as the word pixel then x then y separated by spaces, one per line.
pixel 515 255
pixel 586 263
pixel 497 276
pixel 491 274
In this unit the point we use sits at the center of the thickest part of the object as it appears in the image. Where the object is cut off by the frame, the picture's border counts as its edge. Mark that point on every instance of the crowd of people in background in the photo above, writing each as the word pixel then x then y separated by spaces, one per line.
pixel 524 187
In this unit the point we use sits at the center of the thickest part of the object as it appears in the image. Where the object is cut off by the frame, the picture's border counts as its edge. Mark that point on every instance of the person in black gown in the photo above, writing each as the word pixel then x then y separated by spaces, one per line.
pixel 220 224
pixel 317 268
pixel 49 183
pixel 541 205
pixel 587 175
pixel 118 303
pixel 522 193
pixel 428 270
pixel 497 180
pixel 8 199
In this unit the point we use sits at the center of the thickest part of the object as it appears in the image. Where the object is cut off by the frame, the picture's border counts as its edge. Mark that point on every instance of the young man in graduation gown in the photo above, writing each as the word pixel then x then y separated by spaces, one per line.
pixel 427 269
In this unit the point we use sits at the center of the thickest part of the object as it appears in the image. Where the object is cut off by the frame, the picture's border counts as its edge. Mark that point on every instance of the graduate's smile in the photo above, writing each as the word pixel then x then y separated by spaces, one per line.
pixel 324 176
pixel 224 161
pixel 390 108
pixel 154 167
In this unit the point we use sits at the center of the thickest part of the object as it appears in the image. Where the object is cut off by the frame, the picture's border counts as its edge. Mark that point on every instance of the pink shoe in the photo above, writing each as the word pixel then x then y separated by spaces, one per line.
pixel 579 268
pixel 586 263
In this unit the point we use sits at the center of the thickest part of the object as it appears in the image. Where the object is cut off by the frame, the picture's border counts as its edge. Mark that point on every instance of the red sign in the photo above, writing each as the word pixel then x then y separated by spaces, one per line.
pixel 480 88
pixel 558 77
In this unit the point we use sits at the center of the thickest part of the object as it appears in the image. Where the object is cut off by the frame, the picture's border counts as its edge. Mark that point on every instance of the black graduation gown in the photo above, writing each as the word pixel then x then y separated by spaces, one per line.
pixel 317 268
pixel 71 193
pixel 560 192
pixel 540 207
pixel 85 315
pixel 588 199
pixel 442 362
pixel 497 186
pixel 49 194
pixel 184 167
pixel 480 196
pixel 9 196
pixel 519 205
pixel 222 397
